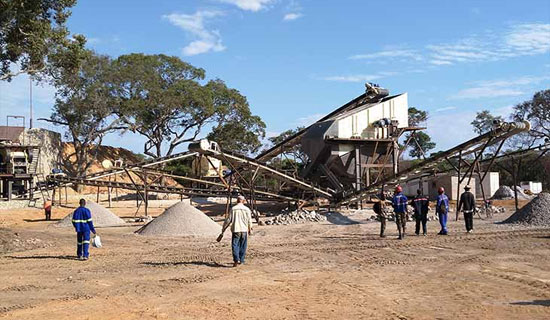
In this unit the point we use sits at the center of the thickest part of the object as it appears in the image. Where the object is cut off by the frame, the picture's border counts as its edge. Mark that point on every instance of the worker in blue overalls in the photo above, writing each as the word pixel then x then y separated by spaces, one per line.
pixel 400 208
pixel 82 222
pixel 442 209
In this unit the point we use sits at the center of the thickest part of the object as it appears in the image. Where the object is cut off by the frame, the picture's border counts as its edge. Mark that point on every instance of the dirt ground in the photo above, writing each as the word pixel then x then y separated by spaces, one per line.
pixel 305 271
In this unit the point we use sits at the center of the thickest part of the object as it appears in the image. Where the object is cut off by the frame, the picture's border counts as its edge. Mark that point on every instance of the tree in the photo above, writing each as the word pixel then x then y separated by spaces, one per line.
pixel 235 128
pixel 422 145
pixel 484 121
pixel 536 111
pixel 417 116
pixel 293 151
pixel 161 98
pixel 29 31
pixel 85 106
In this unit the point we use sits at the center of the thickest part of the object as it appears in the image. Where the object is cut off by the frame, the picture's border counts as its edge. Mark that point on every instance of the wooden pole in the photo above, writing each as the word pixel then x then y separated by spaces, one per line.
pixel 97 194
pixel 458 182
pixel 109 193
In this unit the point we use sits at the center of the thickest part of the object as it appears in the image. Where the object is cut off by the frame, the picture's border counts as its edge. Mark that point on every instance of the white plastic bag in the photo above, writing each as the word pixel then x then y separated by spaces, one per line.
pixel 96 242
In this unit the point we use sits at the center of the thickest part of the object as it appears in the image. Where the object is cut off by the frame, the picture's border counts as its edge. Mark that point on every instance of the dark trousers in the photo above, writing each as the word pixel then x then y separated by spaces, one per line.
pixel 401 220
pixel 421 218
pixel 238 246
pixel 83 244
pixel 469 220
pixel 48 213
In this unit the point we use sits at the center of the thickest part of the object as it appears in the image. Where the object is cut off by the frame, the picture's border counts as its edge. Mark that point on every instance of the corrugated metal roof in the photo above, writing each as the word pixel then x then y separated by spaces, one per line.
pixel 9 133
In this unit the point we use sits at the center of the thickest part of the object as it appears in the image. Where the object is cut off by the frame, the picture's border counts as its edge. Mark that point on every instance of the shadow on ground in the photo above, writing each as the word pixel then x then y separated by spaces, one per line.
pixel 338 218
pixel 211 264
pixel 43 257
pixel 544 303
pixel 39 220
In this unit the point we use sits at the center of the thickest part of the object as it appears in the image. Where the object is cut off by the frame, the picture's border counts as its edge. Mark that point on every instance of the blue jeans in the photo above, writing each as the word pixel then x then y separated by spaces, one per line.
pixel 82 244
pixel 443 222
pixel 238 246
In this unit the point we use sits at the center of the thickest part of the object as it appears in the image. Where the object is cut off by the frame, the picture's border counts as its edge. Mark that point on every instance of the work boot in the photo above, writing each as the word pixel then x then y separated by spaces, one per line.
pixel 235 264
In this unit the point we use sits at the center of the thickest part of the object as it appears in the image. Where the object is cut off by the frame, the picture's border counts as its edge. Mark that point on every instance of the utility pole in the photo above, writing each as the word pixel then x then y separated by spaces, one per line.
pixel 30 100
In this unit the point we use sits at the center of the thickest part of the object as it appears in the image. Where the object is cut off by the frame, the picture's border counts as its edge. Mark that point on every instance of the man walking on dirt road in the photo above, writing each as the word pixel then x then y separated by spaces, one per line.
pixel 467 204
pixel 400 208
pixel 420 205
pixel 240 220
pixel 442 209
pixel 82 222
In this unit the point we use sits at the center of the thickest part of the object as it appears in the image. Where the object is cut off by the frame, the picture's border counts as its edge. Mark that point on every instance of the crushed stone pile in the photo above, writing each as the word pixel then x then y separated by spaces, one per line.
pixel 295 217
pixel 535 213
pixel 506 193
pixel 101 216
pixel 11 241
pixel 181 219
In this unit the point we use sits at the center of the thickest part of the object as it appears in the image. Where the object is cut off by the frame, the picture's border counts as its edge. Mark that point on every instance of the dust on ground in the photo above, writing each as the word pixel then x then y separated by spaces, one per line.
pixel 301 271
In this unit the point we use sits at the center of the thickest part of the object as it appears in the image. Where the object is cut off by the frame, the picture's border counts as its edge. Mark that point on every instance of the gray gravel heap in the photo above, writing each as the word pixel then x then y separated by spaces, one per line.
pixel 296 216
pixel 181 219
pixel 535 213
pixel 505 193
pixel 101 216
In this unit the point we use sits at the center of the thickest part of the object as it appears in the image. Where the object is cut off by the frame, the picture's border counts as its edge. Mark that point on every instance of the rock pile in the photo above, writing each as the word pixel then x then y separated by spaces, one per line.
pixel 101 216
pixel 295 217
pixel 506 193
pixel 535 213
pixel 180 220
pixel 491 209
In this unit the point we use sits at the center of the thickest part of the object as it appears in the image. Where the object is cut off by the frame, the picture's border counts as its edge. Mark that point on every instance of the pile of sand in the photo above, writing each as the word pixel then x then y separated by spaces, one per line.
pixel 535 213
pixel 101 216
pixel 181 219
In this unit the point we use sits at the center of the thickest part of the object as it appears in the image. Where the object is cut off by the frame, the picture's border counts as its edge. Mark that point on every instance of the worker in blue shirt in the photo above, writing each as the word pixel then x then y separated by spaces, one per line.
pixel 442 209
pixel 399 203
pixel 82 222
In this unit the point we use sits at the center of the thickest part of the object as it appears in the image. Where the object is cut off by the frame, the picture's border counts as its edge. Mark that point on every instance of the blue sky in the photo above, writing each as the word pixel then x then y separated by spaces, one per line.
pixel 297 60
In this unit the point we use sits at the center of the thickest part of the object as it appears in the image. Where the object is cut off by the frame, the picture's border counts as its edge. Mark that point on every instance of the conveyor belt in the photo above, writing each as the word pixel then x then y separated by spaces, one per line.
pixel 243 160
pixel 469 147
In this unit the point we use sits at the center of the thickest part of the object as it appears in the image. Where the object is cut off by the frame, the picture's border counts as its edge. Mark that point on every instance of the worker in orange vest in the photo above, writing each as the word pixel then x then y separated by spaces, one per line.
pixel 48 209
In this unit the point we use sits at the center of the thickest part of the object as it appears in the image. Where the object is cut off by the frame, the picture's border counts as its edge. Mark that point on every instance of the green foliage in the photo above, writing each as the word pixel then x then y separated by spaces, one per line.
pixel 293 151
pixel 536 111
pixel 181 167
pixel 417 116
pixel 483 121
pixel 424 144
pixel 85 107
pixel 29 31
pixel 161 98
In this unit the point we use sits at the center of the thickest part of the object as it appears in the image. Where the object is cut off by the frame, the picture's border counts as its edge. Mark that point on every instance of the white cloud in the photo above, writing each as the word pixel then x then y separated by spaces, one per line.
pixel 388 54
pixel 499 88
pixel 519 40
pixel 194 24
pixel 444 109
pixel 308 120
pixel 250 5
pixel 292 16
pixel 360 77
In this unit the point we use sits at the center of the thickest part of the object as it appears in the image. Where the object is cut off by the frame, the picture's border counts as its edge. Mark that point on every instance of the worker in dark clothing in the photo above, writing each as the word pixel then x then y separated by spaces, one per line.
pixel 379 208
pixel 420 205
pixel 400 208
pixel 82 222
pixel 442 209
pixel 467 204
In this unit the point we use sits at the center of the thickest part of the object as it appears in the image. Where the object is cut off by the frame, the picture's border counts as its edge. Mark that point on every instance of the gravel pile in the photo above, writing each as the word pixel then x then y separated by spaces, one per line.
pixel 296 216
pixel 181 219
pixel 535 213
pixel 505 193
pixel 101 216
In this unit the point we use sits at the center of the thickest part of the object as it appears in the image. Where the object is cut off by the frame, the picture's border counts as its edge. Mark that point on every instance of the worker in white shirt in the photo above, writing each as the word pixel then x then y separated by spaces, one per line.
pixel 240 220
